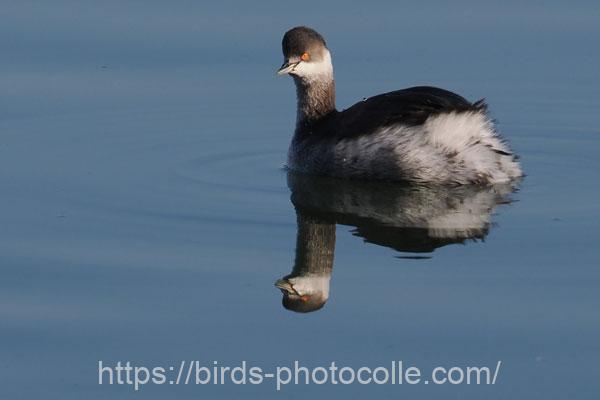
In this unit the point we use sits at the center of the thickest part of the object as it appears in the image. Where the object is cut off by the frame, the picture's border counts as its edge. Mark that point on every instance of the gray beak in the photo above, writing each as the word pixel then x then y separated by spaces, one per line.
pixel 285 285
pixel 287 67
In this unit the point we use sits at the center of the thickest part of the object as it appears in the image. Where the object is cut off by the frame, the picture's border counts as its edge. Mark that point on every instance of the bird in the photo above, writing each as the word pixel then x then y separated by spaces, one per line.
pixel 421 134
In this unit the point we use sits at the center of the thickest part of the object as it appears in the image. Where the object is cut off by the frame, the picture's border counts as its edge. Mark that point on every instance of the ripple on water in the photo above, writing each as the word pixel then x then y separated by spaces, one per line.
pixel 256 171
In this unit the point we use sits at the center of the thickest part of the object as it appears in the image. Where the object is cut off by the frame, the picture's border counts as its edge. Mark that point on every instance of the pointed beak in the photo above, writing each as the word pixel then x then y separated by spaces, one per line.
pixel 285 285
pixel 287 67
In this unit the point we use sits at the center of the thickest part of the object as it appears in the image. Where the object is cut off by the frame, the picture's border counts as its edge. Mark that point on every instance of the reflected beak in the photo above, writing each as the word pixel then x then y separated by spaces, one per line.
pixel 287 67
pixel 285 285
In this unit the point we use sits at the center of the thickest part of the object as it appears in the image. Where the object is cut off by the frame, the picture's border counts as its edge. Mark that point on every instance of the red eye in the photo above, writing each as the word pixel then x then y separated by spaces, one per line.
pixel 305 57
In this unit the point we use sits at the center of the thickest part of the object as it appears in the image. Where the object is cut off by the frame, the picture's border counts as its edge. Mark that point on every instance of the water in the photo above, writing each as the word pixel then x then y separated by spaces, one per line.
pixel 146 213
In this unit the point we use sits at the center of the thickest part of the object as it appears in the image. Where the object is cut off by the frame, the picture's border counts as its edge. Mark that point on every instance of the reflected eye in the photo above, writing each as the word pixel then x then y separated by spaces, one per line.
pixel 305 57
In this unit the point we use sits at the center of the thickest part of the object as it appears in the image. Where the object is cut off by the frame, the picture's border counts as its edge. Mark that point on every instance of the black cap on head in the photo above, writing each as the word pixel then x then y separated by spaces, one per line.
pixel 303 305
pixel 301 39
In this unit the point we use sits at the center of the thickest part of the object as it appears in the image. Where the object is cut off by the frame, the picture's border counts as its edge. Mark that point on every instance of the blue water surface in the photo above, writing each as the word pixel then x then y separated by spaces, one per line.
pixel 146 213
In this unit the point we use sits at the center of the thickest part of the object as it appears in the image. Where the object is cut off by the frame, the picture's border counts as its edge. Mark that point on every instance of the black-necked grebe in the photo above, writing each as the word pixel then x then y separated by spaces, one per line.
pixel 420 134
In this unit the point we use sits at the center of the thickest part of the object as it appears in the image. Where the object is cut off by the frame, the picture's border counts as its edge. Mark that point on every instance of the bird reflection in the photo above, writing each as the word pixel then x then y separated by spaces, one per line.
pixel 406 218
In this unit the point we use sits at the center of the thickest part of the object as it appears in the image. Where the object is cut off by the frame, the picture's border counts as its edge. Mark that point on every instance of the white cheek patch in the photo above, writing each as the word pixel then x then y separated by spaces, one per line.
pixel 315 69
pixel 311 284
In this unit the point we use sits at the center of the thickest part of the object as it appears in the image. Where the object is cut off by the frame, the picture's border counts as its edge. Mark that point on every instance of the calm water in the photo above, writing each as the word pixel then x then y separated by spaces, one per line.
pixel 146 215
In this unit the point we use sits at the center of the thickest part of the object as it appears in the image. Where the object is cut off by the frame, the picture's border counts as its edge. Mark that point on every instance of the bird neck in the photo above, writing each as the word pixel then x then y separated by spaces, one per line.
pixel 315 245
pixel 316 99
